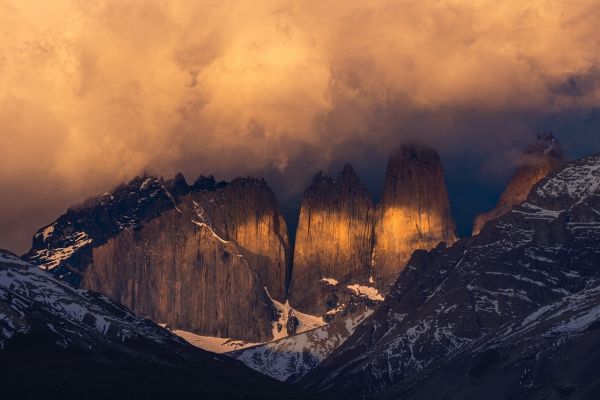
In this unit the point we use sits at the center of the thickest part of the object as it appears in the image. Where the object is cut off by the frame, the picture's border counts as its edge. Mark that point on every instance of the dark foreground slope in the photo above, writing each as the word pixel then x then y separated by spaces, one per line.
pixel 552 353
pixel 493 312
pixel 65 343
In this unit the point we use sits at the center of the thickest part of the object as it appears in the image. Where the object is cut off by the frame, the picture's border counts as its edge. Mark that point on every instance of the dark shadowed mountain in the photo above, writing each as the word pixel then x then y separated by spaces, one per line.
pixel 59 342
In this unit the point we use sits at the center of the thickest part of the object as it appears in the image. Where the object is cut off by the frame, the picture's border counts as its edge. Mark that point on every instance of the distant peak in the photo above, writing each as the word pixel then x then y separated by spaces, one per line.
pixel 348 169
pixel 207 183
pixel 321 177
pixel 546 144
pixel 178 185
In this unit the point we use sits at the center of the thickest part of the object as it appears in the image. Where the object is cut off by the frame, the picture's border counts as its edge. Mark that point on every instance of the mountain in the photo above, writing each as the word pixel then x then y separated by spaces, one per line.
pixel 414 212
pixel 541 157
pixel 60 342
pixel 333 246
pixel 529 272
pixel 292 357
pixel 65 246
pixel 549 354
pixel 210 258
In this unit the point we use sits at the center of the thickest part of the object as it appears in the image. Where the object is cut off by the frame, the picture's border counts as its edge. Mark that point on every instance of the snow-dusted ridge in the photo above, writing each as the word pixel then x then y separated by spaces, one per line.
pixel 78 317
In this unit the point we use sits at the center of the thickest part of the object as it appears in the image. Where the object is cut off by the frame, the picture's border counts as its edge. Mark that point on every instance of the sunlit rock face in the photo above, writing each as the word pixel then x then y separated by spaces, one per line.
pixel 333 247
pixel 414 212
pixel 540 158
pixel 208 263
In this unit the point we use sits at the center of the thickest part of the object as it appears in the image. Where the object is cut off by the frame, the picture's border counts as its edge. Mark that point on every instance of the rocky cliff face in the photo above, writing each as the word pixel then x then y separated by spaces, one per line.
pixel 334 241
pixel 414 212
pixel 65 246
pixel 540 158
pixel 207 258
pixel 521 288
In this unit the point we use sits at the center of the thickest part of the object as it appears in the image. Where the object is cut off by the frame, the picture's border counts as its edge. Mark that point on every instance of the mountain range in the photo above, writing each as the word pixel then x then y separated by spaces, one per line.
pixel 371 300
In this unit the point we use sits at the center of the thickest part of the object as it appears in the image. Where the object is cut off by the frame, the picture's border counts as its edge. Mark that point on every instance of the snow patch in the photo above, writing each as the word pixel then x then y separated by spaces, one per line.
pixel 330 281
pixel 366 291
pixel 213 344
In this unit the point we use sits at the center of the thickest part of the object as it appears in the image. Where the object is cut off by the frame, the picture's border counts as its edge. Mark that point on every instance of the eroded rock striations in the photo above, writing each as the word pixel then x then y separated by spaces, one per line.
pixel 414 212
pixel 207 258
pixel 540 158
pixel 334 241
pixel 492 315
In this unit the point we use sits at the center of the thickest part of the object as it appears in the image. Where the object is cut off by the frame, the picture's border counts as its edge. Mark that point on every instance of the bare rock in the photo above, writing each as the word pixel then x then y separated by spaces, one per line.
pixel 414 212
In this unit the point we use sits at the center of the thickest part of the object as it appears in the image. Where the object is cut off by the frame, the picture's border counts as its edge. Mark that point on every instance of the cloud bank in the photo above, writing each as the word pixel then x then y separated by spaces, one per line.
pixel 95 92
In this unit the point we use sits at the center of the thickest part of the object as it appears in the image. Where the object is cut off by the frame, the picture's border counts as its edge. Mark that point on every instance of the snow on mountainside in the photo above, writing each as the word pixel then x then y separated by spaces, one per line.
pixel 213 344
pixel 65 246
pixel 288 321
pixel 445 300
pixel 290 358
pixel 551 353
pixel 60 342
pixel 32 298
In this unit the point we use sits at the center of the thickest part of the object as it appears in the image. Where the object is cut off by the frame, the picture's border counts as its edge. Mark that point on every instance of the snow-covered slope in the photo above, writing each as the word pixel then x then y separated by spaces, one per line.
pixel 32 300
pixel 290 358
pixel 542 251
pixel 60 342
pixel 550 353
pixel 213 344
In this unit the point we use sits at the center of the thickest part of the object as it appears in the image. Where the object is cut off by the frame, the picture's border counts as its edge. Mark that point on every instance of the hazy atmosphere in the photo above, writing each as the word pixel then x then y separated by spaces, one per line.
pixel 93 93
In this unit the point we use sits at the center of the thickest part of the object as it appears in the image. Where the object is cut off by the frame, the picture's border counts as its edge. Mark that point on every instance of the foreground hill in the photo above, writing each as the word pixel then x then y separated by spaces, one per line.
pixel 61 342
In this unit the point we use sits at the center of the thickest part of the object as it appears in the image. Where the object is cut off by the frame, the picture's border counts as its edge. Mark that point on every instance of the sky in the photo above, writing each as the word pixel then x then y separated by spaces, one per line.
pixel 93 93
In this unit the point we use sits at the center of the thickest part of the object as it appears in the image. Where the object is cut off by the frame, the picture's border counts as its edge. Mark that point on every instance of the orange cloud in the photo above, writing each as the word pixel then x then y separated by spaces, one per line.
pixel 94 92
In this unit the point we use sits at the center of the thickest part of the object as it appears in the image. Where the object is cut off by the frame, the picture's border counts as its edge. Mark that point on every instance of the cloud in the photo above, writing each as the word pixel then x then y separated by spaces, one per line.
pixel 94 92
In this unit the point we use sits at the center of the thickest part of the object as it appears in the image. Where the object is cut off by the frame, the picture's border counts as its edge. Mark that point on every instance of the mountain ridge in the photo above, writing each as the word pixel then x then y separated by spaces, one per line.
pixel 535 255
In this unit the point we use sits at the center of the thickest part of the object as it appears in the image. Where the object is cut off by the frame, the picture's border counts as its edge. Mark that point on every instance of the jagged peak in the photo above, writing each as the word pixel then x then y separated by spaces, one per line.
pixel 348 173
pixel 249 181
pixel 207 183
pixel 322 177
pixel 546 144
pixel 348 170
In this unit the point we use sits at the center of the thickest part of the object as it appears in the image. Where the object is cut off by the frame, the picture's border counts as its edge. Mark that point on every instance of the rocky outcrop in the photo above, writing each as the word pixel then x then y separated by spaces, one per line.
pixel 414 212
pixel 210 258
pixel 65 246
pixel 348 251
pixel 540 158
pixel 333 246
pixel 208 266
pixel 496 306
